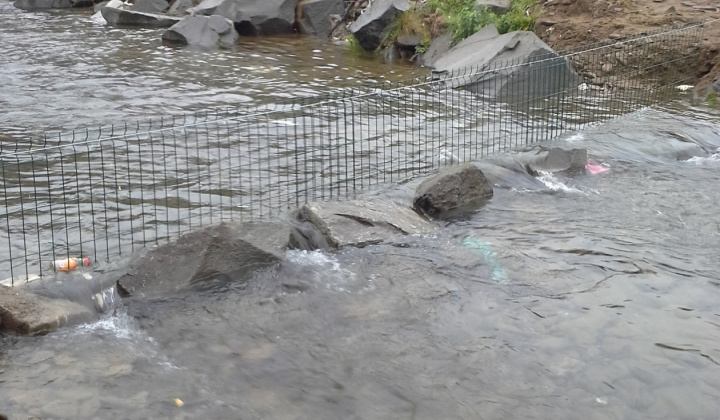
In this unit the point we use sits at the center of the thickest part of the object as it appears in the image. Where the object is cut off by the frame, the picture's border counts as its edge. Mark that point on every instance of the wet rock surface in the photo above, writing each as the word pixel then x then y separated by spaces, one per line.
pixel 361 223
pixel 455 190
pixel 29 314
pixel 206 32
pixel 253 17
pixel 128 18
pixel 229 251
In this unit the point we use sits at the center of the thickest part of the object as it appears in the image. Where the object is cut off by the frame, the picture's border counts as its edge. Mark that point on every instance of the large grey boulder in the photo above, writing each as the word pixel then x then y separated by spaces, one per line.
pixel 438 47
pixel 360 223
pixel 252 17
pixel 150 6
pixel 372 26
pixel 516 66
pixel 51 4
pixel 130 19
pixel 452 191
pixel 229 250
pixel 559 160
pixel 28 314
pixel 498 7
pixel 314 15
pixel 463 54
pixel 205 32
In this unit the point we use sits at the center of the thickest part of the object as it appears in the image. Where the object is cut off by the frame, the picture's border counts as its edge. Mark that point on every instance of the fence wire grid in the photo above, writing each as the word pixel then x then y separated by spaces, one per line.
pixel 104 192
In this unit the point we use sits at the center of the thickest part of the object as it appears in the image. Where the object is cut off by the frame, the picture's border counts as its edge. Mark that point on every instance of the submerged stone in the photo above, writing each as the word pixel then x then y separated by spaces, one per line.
pixel 457 189
pixel 228 250
pixel 29 314
pixel 360 223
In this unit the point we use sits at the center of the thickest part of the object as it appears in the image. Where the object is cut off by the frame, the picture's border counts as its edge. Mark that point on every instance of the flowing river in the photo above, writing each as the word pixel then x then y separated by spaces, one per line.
pixel 574 296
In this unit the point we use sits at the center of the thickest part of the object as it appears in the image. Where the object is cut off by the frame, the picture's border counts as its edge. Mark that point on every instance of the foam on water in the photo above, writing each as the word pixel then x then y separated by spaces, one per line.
pixel 701 160
pixel 98 19
pixel 328 272
pixel 555 184
pixel 119 325
pixel 575 137
pixel 317 257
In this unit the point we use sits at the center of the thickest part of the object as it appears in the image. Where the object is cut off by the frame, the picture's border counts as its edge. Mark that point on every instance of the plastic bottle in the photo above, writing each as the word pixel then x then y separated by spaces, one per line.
pixel 70 264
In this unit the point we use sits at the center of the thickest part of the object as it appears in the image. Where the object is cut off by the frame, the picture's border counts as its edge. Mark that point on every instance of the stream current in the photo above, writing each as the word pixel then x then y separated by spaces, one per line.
pixel 586 296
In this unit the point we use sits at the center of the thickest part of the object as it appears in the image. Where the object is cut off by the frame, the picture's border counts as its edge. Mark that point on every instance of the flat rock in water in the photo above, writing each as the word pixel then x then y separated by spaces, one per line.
pixel 28 314
pixel 205 32
pixel 558 160
pixel 228 250
pixel 455 190
pixel 370 28
pixel 128 18
pixel 360 223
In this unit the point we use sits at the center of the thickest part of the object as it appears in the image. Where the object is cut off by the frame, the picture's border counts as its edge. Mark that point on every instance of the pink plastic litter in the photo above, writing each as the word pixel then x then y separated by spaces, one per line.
pixel 594 168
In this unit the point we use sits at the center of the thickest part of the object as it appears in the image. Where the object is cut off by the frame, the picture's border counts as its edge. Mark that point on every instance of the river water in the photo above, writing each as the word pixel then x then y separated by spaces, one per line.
pixel 567 296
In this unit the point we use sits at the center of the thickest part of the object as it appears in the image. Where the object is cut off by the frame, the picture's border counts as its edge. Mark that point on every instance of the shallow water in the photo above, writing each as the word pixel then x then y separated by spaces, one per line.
pixel 594 297
pixel 568 297
pixel 61 70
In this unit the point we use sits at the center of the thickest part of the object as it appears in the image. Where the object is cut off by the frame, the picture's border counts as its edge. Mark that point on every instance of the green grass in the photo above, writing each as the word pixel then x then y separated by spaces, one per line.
pixel 463 18
pixel 353 47
pixel 712 100
pixel 410 22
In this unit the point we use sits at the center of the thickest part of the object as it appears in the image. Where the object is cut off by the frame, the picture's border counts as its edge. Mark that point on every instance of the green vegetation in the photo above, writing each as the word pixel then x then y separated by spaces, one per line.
pixel 411 22
pixel 712 100
pixel 354 47
pixel 463 18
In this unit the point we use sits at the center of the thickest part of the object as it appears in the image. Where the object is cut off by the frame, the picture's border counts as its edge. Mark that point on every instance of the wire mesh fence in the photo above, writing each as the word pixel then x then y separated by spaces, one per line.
pixel 104 192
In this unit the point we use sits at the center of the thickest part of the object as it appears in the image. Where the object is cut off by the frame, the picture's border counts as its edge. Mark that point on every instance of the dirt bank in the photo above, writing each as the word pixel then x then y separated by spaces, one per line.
pixel 567 24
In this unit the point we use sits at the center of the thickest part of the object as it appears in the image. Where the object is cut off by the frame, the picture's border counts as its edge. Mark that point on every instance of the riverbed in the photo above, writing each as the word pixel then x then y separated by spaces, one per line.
pixel 588 296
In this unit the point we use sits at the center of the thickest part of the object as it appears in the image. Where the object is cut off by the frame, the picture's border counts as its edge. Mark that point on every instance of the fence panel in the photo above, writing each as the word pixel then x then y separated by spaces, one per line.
pixel 105 192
